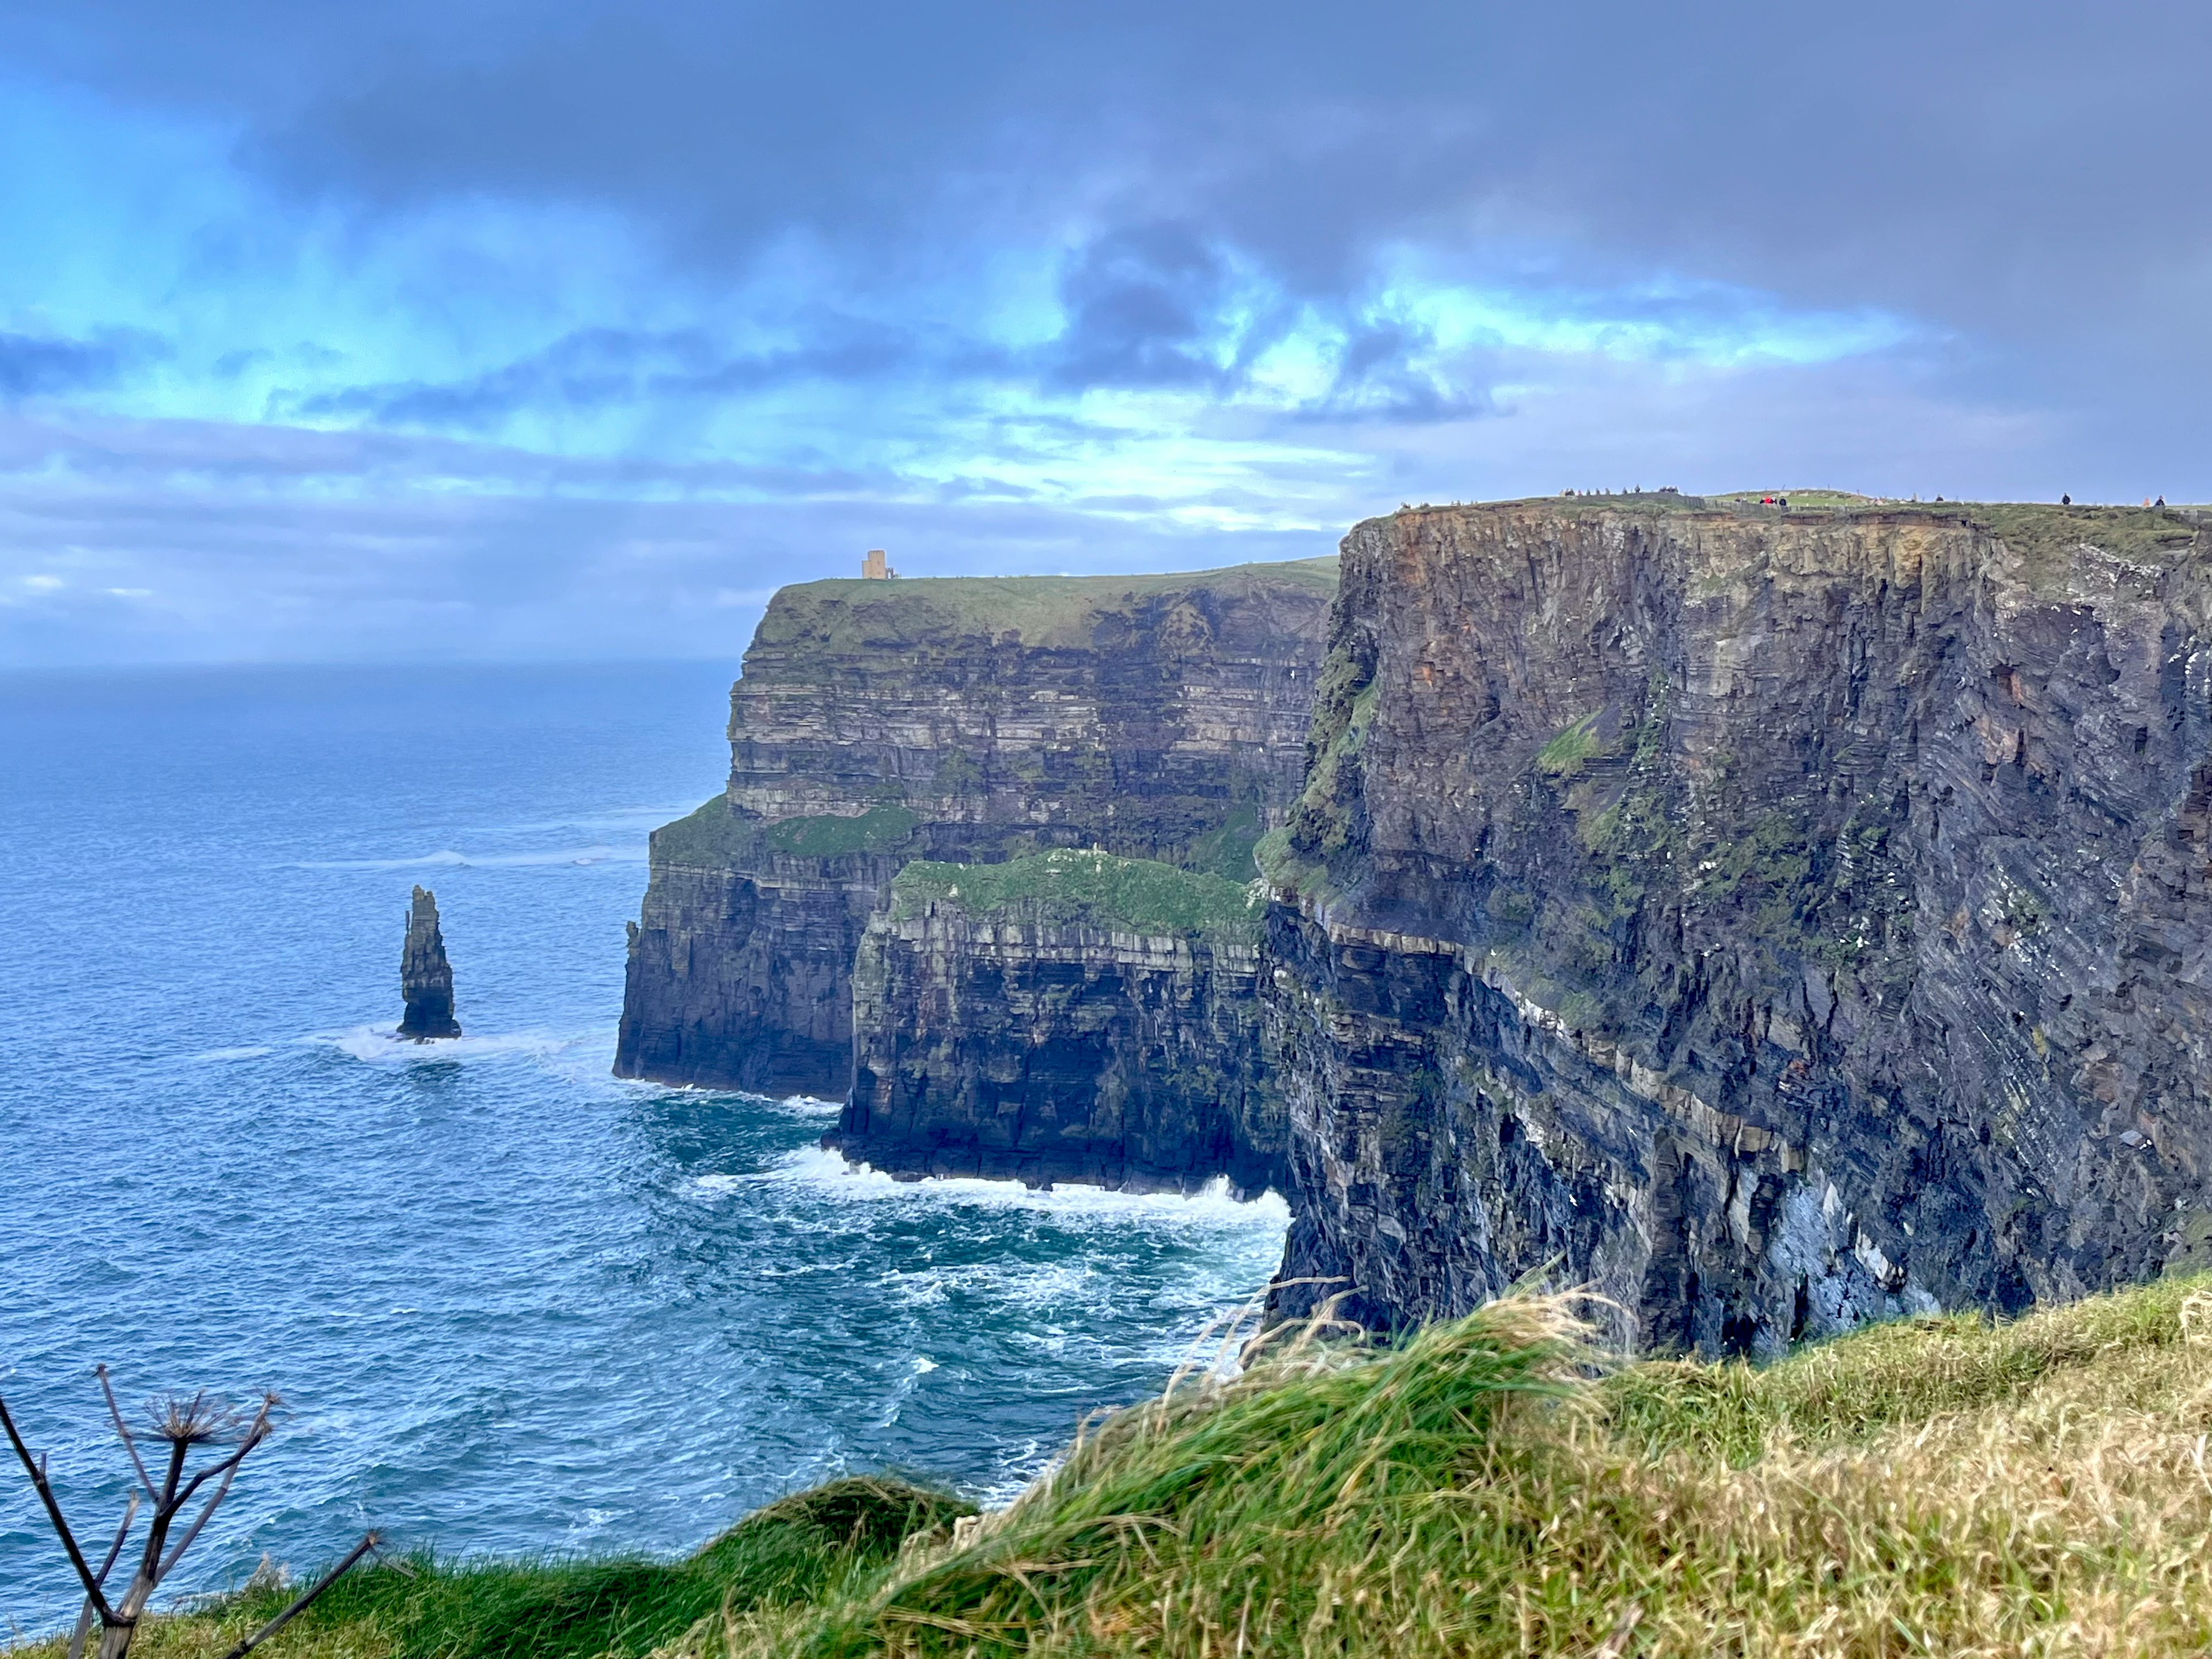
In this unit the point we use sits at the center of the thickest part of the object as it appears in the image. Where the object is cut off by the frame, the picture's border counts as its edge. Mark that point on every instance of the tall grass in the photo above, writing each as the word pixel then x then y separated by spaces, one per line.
pixel 829 1541
pixel 1488 1487
pixel 1946 1487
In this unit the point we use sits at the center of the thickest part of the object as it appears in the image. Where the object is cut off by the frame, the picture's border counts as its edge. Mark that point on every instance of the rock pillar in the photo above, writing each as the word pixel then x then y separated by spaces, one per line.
pixel 426 978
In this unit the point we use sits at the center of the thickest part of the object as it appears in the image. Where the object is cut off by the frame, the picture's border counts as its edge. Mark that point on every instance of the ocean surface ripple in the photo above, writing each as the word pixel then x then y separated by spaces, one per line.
pixel 514 1304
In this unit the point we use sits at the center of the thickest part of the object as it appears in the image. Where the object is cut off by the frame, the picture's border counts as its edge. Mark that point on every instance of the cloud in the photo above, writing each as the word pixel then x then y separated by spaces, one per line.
pixel 442 308
pixel 32 366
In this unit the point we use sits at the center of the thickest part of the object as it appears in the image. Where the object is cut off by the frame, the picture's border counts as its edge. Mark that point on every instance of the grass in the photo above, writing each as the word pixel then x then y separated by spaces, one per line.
pixel 1488 1487
pixel 832 835
pixel 711 837
pixel 1048 612
pixel 832 1540
pixel 1068 886
pixel 1572 744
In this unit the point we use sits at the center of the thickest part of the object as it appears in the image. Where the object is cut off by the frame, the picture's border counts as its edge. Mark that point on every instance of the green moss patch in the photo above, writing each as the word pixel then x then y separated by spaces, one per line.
pixel 1574 744
pixel 1087 888
pixel 712 838
pixel 833 834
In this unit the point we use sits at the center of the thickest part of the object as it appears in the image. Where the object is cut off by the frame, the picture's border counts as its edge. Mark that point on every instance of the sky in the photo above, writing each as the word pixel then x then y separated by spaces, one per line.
pixel 490 330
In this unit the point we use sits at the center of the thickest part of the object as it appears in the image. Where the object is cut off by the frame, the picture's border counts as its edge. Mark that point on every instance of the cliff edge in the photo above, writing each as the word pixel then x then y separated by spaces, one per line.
pixel 1070 1016
pixel 1159 717
pixel 1774 918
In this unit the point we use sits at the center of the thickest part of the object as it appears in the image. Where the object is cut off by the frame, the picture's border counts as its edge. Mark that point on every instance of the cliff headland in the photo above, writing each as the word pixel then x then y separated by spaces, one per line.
pixel 1778 918
pixel 1160 718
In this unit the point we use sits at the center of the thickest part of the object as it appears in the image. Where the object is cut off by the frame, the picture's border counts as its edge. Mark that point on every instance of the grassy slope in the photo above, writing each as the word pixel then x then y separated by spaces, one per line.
pixel 1041 610
pixel 834 1540
pixel 1939 1486
pixel 1133 895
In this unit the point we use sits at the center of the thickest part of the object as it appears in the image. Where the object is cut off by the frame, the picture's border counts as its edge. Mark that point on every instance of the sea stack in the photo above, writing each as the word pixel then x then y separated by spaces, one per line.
pixel 426 978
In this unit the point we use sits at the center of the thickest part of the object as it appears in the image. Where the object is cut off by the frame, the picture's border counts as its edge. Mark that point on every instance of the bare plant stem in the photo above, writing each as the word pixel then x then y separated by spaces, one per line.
pixel 300 1606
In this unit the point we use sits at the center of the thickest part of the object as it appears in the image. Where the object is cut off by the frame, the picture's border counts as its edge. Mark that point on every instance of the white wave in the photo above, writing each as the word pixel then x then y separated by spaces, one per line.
pixel 381 1045
pixel 1013 1284
pixel 833 1176
pixel 448 858
pixel 717 1186
pixel 214 1056
pixel 807 1106
pixel 923 1364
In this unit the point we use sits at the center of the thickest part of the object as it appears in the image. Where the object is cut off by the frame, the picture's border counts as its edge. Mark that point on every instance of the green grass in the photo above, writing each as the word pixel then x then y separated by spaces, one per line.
pixel 1097 889
pixel 832 835
pixel 833 1539
pixel 1490 1486
pixel 1574 744
pixel 1227 851
pixel 711 838
pixel 1048 612
pixel 1943 1486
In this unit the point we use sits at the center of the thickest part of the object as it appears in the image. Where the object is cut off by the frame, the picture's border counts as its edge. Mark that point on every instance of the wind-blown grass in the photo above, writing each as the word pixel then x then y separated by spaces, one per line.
pixel 833 1539
pixel 1489 1486
pixel 1944 1486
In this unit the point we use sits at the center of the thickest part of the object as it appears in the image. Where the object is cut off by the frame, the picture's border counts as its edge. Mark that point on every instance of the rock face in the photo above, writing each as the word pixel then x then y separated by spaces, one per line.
pixel 426 979
pixel 1774 920
pixel 1029 1021
pixel 971 718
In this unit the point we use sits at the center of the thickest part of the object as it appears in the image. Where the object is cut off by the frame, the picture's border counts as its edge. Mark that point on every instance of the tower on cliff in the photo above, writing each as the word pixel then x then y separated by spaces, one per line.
pixel 873 568
pixel 426 978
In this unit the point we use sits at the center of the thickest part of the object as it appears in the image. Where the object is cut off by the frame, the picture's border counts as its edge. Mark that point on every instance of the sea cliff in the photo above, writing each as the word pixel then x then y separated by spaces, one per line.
pixel 1162 718
pixel 1069 1015
pixel 1772 919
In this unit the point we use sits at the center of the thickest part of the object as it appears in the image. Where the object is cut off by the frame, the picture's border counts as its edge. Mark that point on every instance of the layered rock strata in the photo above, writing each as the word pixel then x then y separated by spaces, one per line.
pixel 1772 920
pixel 426 978
pixel 1069 1015
pixel 969 719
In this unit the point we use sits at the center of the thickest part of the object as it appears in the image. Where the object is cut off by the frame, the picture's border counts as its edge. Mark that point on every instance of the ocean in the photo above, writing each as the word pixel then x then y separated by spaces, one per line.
pixel 513 1305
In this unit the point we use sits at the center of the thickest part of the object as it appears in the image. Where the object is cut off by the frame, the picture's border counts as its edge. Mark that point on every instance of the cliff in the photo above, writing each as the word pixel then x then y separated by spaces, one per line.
pixel 426 978
pixel 971 718
pixel 1069 1015
pixel 1775 920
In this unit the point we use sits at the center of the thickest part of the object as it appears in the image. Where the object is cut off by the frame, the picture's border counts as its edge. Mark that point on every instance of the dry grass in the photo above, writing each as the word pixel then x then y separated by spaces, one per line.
pixel 1942 1486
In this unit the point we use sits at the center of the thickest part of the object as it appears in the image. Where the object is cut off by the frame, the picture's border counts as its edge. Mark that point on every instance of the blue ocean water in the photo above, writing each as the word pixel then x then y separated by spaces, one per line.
pixel 513 1305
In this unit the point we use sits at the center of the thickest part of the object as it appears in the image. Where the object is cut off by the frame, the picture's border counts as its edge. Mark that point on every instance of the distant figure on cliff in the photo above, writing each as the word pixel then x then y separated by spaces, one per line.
pixel 426 979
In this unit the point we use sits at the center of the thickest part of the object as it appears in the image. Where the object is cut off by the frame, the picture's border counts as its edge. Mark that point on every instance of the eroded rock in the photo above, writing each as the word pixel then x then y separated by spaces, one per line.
pixel 426 979
pixel 1771 919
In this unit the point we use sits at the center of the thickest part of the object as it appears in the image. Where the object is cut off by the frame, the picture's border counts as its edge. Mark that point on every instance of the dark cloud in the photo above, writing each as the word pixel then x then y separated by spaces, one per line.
pixel 32 366
pixel 1145 308
pixel 2021 185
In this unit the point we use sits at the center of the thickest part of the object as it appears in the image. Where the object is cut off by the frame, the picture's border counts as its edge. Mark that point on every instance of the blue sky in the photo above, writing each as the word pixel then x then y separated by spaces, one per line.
pixel 488 331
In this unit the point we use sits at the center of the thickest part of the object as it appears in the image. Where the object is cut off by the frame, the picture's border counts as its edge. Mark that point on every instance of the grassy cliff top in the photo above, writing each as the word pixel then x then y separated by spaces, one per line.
pixel 1936 1485
pixel 2046 537
pixel 1083 888
pixel 1041 610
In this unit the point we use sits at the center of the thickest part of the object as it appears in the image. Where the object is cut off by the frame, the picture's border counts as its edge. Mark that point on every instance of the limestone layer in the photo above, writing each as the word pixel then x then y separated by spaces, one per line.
pixel 1016 1044
pixel 1771 920
pixel 1160 717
